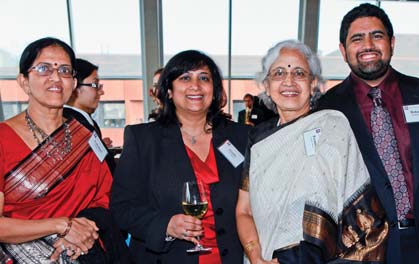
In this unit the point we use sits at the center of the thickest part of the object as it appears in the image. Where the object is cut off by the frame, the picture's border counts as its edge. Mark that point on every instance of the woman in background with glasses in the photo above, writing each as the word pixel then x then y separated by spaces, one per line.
pixel 84 101
pixel 51 181
pixel 305 195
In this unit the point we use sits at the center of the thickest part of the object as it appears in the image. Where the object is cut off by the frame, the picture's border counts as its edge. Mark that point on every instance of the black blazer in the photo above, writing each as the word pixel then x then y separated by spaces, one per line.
pixel 342 98
pixel 147 191
pixel 256 116
pixel 71 113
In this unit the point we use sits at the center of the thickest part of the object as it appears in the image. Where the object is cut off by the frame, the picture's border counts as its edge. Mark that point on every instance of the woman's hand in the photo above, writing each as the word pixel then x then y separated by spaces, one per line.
pixel 185 227
pixel 63 245
pixel 82 234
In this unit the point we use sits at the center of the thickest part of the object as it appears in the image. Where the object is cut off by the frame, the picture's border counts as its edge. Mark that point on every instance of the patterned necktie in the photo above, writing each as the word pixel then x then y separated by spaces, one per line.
pixel 386 144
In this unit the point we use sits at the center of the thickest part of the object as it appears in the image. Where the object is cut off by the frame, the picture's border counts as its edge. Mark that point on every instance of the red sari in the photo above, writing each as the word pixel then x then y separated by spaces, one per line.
pixel 88 184
pixel 207 173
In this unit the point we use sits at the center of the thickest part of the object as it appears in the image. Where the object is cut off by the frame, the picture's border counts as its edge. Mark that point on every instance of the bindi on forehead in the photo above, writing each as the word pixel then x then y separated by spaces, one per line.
pixel 289 66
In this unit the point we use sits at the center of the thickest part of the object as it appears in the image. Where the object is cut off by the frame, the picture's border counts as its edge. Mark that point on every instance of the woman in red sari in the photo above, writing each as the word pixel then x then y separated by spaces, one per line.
pixel 49 175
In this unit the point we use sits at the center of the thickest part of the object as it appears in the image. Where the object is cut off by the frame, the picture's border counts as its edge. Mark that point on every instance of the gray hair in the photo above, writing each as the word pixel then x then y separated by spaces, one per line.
pixel 273 54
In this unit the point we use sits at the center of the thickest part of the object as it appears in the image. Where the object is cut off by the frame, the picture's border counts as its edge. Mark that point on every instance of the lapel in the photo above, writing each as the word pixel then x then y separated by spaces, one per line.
pixel 409 88
pixel 346 103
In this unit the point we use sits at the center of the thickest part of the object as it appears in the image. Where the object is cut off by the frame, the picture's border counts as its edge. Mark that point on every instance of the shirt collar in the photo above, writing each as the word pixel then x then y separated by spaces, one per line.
pixel 86 115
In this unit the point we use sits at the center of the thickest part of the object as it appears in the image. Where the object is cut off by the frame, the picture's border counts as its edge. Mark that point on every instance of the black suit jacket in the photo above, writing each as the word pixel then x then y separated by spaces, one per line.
pixel 71 113
pixel 147 191
pixel 342 97
pixel 256 116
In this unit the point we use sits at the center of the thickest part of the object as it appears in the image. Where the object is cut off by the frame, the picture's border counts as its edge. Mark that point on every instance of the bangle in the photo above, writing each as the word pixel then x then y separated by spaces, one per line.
pixel 67 228
pixel 249 246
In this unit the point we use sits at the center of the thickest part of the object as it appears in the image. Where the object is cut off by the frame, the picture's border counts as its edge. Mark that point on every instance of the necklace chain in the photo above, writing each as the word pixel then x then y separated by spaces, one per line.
pixel 192 138
pixel 58 149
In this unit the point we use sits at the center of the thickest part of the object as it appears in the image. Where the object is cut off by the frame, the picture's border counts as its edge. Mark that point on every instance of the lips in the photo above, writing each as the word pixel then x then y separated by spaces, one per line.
pixel 369 55
pixel 289 93
pixel 55 89
pixel 195 97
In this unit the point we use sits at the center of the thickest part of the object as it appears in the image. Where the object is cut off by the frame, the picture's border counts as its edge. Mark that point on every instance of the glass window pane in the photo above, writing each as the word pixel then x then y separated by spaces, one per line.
pixel 196 24
pixel 331 14
pixel 110 114
pixel 406 32
pixel 109 36
pixel 22 23
pixel 256 27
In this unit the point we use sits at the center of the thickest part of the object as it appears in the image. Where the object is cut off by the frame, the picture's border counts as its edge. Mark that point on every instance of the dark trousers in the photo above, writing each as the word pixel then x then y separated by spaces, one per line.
pixel 409 246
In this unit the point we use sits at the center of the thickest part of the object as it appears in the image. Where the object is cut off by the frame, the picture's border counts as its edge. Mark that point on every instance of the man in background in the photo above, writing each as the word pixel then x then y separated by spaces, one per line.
pixel 250 115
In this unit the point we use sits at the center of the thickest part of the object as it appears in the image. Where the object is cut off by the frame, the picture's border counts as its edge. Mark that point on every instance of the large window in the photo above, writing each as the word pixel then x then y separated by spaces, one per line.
pixel 110 114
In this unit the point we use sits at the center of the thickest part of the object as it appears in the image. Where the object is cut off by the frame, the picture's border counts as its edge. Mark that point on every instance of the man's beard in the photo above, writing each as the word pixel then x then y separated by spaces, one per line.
pixel 371 70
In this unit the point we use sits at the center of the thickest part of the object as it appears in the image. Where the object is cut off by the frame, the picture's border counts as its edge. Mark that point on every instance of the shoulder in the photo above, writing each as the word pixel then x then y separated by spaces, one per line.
pixel 332 118
pixel 231 126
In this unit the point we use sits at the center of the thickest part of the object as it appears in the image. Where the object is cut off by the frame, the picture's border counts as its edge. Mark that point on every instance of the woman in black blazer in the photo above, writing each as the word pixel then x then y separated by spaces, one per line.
pixel 182 145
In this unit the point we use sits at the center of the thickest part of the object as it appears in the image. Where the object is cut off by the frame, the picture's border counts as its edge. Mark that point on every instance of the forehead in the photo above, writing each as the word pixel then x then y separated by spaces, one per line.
pixel 365 25
pixel 290 58
pixel 200 69
pixel 53 54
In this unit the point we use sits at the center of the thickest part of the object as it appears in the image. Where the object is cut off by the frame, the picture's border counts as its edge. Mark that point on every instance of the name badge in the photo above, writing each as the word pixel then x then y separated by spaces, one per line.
pixel 231 153
pixel 97 146
pixel 411 113
pixel 254 116
pixel 310 141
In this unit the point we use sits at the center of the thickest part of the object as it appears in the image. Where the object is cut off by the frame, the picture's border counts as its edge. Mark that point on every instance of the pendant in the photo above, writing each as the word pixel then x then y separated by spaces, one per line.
pixel 193 140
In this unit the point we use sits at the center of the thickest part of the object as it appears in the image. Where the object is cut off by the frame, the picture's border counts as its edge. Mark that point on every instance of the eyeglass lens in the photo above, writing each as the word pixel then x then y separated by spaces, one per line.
pixel 46 69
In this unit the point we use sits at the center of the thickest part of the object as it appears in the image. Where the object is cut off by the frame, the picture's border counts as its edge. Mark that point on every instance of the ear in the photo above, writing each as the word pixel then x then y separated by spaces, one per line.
pixel 267 87
pixel 313 85
pixel 392 44
pixel 343 51
pixel 75 83
pixel 23 83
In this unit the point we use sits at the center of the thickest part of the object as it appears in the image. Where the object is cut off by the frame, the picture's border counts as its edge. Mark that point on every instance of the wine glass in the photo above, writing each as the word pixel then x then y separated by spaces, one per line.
pixel 195 203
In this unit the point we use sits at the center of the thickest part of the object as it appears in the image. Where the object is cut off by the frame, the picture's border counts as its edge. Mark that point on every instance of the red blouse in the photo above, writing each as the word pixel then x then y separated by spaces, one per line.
pixel 207 173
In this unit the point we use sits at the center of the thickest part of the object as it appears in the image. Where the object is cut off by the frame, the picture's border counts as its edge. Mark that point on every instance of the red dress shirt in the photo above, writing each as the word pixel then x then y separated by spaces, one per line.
pixel 207 173
pixel 392 100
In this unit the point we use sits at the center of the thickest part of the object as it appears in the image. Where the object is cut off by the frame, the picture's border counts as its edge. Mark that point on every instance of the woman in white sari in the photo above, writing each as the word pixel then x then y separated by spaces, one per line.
pixel 305 196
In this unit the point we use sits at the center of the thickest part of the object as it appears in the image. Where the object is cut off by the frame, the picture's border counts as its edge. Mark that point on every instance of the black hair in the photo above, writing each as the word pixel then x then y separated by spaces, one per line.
pixel 32 51
pixel 84 70
pixel 176 66
pixel 158 71
pixel 248 95
pixel 364 10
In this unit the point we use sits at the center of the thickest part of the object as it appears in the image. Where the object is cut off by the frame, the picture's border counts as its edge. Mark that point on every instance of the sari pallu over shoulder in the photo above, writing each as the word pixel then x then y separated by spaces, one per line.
pixel 39 172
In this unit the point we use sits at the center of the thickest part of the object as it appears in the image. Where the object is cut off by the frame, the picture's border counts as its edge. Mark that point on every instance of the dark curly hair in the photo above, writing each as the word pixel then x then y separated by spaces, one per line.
pixel 183 62
pixel 364 10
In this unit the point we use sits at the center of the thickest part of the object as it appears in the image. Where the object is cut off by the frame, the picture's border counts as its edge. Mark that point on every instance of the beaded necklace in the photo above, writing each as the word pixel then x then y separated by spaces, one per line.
pixel 59 149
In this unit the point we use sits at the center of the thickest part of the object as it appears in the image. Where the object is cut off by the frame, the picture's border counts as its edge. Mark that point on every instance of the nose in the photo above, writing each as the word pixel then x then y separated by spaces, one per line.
pixel 368 42
pixel 101 91
pixel 54 76
pixel 288 79
pixel 194 82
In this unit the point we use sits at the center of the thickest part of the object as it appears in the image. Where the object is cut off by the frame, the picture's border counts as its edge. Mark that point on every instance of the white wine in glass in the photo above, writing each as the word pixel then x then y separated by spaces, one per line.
pixel 195 203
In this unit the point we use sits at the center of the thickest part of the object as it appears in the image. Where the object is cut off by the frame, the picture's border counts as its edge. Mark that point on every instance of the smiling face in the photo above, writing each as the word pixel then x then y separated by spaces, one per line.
pixel 368 49
pixel 192 92
pixel 51 91
pixel 87 96
pixel 292 94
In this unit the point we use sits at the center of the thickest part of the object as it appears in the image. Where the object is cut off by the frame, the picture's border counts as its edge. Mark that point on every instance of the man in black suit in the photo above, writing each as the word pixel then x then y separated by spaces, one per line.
pixel 367 44
pixel 84 101
pixel 251 115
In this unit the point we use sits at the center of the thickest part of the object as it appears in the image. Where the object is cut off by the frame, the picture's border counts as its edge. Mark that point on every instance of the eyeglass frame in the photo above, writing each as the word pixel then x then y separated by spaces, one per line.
pixel 97 85
pixel 51 70
pixel 292 72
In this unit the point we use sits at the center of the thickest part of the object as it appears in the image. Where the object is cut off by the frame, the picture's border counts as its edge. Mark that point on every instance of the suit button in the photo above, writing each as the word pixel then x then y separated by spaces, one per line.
pixel 221 231
pixel 224 252
pixel 219 211
pixel 387 185
pixel 393 224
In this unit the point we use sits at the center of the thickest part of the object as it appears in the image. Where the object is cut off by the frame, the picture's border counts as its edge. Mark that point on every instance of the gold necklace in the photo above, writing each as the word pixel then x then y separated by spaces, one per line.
pixel 192 138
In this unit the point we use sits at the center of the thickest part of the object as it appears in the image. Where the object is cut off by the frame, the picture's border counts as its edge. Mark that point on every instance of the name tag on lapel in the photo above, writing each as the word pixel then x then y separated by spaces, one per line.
pixel 98 147
pixel 411 113
pixel 231 153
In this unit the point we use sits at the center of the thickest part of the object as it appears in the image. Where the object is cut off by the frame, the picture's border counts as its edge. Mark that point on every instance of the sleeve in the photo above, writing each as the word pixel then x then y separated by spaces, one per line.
pixel 244 185
pixel 130 198
pixel 104 184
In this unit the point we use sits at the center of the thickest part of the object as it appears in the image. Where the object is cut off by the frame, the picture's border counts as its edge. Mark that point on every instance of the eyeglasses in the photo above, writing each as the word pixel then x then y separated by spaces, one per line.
pixel 280 74
pixel 46 69
pixel 97 86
